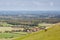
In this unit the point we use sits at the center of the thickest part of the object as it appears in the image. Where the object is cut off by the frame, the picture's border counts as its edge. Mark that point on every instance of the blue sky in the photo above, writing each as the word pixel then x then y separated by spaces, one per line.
pixel 29 4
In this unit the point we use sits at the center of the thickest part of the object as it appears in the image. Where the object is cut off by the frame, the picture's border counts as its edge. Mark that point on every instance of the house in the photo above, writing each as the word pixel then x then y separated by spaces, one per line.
pixel 32 29
pixel 35 29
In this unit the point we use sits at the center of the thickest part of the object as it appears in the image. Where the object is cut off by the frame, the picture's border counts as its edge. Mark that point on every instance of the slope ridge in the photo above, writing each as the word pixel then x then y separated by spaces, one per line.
pixel 51 34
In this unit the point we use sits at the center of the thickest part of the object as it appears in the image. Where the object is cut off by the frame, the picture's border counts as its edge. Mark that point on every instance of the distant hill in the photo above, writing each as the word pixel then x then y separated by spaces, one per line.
pixel 31 14
pixel 51 34
pixel 30 17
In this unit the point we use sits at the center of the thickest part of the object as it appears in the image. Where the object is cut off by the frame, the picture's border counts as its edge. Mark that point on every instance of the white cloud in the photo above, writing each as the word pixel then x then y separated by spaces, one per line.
pixel 51 3
pixel 29 4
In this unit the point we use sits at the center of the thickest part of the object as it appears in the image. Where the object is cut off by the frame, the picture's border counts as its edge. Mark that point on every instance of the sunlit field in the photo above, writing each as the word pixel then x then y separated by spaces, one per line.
pixel 12 35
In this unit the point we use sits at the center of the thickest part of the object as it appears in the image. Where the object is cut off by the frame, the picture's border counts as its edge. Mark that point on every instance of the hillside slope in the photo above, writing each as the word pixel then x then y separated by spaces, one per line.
pixel 51 34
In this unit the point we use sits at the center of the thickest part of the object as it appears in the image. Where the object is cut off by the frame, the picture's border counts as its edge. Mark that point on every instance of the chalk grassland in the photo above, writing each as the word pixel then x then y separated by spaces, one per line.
pixel 51 34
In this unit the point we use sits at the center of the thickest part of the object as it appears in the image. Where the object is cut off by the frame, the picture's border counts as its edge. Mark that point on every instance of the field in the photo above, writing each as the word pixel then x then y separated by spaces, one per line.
pixel 12 35
pixel 52 33
pixel 4 24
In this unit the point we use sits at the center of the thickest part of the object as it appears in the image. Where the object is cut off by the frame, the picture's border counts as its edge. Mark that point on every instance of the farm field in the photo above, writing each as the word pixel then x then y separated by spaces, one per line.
pixel 51 34
pixel 12 35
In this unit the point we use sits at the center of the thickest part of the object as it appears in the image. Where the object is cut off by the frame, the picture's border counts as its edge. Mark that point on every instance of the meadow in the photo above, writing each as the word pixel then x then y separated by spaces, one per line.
pixel 12 35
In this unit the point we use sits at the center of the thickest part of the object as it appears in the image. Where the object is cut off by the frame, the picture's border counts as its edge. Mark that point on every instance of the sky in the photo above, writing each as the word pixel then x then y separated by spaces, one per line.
pixel 30 5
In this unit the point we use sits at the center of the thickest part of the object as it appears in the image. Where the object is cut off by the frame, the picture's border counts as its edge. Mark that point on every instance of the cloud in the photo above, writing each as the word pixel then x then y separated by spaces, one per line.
pixel 29 4
pixel 51 3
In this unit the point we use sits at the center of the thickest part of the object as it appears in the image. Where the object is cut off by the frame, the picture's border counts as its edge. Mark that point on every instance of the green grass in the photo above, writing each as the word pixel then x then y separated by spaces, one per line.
pixel 51 34
pixel 4 24
pixel 12 35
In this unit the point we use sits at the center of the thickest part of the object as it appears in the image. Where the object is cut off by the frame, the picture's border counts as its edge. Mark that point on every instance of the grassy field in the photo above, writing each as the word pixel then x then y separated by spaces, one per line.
pixel 12 35
pixel 51 34
pixel 4 24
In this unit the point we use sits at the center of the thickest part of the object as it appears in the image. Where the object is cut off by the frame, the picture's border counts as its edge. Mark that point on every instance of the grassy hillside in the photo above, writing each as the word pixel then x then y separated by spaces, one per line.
pixel 51 34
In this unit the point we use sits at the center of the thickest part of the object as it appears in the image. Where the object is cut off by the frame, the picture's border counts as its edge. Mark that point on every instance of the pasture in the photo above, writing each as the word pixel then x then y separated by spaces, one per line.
pixel 12 35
